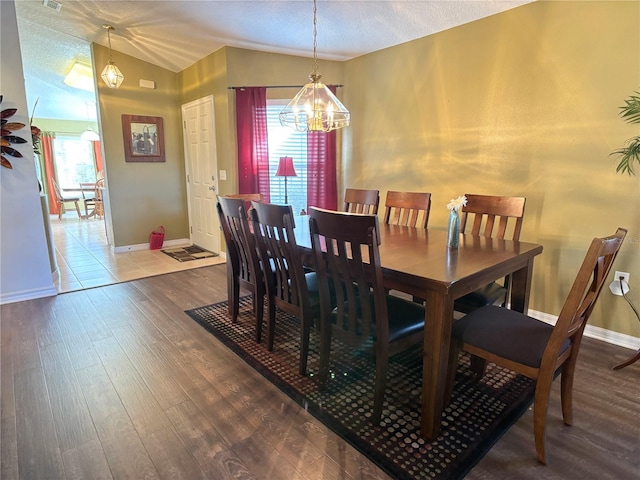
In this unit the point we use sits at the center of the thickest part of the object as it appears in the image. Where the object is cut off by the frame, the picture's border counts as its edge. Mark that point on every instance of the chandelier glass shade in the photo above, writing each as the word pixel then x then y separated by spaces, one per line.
pixel 111 74
pixel 315 108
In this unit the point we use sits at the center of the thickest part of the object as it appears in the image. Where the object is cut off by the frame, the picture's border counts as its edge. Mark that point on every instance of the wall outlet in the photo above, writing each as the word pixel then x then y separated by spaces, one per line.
pixel 624 275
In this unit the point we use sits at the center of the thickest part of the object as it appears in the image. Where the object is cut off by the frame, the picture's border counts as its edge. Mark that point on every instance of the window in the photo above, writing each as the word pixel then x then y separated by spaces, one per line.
pixel 286 142
pixel 74 161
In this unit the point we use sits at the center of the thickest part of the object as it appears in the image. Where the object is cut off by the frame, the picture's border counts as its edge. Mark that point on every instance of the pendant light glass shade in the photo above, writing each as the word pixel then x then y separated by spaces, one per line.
pixel 111 74
pixel 315 108
pixel 89 135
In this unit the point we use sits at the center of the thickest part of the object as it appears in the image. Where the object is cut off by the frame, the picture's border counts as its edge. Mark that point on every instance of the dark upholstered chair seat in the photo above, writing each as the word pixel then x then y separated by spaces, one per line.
pixel 405 318
pixel 507 333
pixel 487 295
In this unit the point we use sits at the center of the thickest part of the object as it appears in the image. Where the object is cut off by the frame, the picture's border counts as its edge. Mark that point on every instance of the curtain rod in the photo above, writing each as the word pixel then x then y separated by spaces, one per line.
pixel 279 86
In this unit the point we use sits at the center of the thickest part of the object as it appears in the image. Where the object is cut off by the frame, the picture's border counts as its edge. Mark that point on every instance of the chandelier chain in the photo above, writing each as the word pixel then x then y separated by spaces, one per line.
pixel 315 38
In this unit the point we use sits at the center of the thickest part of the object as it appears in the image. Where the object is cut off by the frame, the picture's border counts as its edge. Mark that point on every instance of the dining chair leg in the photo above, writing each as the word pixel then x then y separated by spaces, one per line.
pixel 233 293
pixel 478 366
pixel 271 324
pixel 78 210
pixel 258 302
pixel 382 363
pixel 566 390
pixel 305 330
pixel 540 406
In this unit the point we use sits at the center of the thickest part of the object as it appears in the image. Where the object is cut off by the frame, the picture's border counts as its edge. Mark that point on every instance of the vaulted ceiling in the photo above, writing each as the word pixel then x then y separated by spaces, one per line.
pixel 175 34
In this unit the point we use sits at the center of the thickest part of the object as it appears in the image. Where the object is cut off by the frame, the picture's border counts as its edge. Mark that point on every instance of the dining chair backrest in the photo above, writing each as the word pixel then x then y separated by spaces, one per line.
pixel 233 221
pixel 273 228
pixel 585 291
pixel 490 216
pixel 410 209
pixel 248 198
pixel 345 250
pixel 286 283
pixel 361 201
pixel 243 268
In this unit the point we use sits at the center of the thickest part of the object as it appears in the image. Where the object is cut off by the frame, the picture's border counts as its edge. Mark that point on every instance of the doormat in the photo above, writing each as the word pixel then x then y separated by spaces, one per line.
pixel 479 413
pixel 186 254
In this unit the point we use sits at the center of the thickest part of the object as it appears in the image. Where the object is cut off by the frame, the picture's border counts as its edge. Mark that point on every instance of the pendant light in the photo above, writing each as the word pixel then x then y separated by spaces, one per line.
pixel 315 108
pixel 89 135
pixel 111 74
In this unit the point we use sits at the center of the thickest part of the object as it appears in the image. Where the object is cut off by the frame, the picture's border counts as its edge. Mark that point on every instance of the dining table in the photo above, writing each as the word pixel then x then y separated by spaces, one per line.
pixel 419 262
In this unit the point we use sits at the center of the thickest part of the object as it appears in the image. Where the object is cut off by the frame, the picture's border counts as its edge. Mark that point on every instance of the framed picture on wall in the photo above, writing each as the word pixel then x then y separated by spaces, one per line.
pixel 143 138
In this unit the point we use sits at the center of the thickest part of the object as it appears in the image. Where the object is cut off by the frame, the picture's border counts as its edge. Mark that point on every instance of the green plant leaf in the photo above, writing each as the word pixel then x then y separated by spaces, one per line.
pixel 630 112
pixel 630 154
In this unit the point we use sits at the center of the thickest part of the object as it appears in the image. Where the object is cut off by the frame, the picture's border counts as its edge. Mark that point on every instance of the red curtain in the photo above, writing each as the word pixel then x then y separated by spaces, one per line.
pixel 97 154
pixel 322 189
pixel 46 141
pixel 253 145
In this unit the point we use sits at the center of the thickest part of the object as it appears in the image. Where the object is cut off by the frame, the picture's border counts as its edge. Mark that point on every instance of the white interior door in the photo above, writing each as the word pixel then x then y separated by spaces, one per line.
pixel 201 167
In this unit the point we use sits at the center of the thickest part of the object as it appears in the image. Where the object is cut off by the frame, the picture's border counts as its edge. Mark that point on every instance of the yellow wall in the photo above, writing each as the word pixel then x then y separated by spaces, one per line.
pixel 521 103
pixel 142 195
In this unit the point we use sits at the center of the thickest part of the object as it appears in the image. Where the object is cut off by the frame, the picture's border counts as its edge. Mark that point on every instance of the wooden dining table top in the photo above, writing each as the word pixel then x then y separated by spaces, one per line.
pixel 419 259
pixel 419 262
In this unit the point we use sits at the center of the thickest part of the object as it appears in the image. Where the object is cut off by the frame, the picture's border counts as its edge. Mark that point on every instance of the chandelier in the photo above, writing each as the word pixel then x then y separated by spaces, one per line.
pixel 315 108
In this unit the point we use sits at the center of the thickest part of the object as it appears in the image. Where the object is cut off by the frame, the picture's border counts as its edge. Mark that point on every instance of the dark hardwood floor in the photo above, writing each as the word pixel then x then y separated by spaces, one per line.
pixel 118 382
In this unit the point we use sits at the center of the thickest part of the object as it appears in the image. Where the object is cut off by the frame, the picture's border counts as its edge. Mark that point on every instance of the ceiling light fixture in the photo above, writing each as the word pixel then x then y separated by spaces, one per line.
pixel 111 74
pixel 315 107
pixel 80 76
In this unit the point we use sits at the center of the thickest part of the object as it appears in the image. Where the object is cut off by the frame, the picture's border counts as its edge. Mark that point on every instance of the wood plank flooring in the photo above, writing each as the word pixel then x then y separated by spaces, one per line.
pixel 117 382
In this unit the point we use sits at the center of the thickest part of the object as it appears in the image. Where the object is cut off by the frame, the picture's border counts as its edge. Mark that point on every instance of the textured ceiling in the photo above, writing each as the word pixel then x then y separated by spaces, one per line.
pixel 176 34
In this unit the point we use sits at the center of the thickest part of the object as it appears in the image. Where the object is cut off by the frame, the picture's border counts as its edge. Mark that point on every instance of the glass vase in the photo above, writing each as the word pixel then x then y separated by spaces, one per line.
pixel 453 233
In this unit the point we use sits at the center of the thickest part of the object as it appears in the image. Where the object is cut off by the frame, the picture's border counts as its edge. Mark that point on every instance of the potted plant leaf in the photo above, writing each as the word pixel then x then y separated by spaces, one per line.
pixel 630 153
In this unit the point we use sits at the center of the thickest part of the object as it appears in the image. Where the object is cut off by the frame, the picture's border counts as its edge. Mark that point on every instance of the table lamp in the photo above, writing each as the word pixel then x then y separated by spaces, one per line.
pixel 285 169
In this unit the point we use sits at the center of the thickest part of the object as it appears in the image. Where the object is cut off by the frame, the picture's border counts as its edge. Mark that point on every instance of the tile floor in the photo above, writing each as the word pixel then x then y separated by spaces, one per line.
pixel 85 260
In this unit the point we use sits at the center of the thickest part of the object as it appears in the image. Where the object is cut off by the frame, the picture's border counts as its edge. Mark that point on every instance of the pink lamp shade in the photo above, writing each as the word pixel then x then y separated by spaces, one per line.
pixel 285 168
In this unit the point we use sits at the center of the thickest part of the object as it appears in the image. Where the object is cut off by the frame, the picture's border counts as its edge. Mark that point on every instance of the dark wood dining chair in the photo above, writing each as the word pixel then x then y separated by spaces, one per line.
pixel 409 209
pixel 361 201
pixel 243 264
pixel 289 288
pixel 61 199
pixel 534 348
pixel 345 248
pixel 496 217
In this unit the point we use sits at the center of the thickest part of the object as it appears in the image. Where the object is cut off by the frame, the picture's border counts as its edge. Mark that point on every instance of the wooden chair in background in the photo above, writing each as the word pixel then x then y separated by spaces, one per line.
pixel 248 198
pixel 409 209
pixel 534 348
pixel 62 199
pixel 289 288
pixel 490 216
pixel 361 201
pixel 88 191
pixel 243 265
pixel 364 314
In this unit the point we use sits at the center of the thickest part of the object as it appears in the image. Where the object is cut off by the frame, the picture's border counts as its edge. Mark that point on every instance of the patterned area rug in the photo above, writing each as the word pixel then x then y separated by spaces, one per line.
pixel 479 413
pixel 186 254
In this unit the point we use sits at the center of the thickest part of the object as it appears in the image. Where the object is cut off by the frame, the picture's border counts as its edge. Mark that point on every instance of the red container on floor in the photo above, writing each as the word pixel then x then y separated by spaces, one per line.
pixel 157 238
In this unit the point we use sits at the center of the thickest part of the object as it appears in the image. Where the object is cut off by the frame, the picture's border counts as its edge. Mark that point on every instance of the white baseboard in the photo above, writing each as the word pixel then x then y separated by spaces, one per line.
pixel 28 295
pixel 615 338
pixel 180 242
